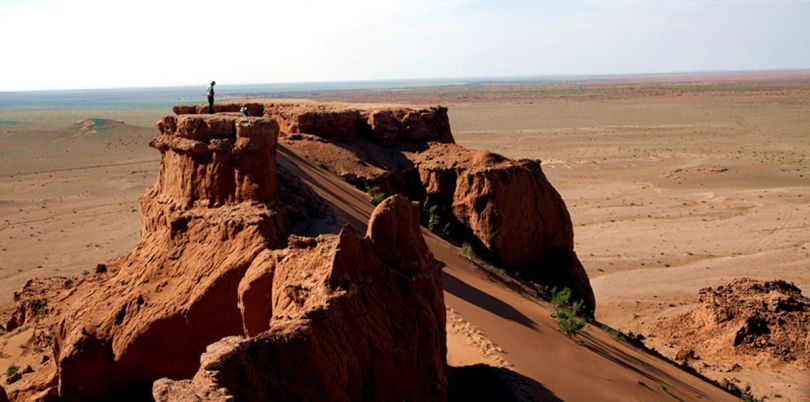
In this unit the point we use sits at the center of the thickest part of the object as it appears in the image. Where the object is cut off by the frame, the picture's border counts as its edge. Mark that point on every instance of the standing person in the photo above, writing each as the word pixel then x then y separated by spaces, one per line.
pixel 210 92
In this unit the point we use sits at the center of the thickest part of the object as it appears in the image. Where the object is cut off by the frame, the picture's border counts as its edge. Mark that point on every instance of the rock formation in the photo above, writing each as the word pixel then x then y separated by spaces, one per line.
pixel 348 317
pixel 220 300
pixel 506 208
pixel 510 208
pixel 215 264
pixel 741 323
pixel 383 124
pixel 204 221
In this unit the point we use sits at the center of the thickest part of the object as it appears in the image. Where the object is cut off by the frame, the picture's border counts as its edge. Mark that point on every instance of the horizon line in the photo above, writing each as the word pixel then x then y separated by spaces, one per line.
pixel 459 80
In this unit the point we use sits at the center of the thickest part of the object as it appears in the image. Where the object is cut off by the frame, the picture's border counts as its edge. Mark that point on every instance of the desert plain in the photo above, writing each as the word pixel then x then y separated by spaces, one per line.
pixel 673 184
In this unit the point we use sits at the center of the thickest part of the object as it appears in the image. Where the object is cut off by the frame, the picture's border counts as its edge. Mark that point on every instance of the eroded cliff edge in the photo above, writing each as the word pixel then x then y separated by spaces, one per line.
pixel 220 299
pixel 507 209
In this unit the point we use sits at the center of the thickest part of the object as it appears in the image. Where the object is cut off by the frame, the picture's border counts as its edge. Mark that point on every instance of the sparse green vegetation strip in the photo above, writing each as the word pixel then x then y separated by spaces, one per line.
pixel 377 196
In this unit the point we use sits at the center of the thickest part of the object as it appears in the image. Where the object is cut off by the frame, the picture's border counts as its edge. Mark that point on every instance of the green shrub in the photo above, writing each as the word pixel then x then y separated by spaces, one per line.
pixel 613 332
pixel 543 290
pixel 569 323
pixel 377 196
pixel 11 370
pixel 468 250
pixel 568 314
pixel 433 218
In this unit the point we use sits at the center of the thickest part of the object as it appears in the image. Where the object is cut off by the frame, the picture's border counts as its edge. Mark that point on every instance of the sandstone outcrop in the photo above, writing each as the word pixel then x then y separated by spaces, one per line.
pixel 383 124
pixel 742 323
pixel 216 270
pixel 349 314
pixel 154 311
pixel 507 208
pixel 34 300
pixel 221 300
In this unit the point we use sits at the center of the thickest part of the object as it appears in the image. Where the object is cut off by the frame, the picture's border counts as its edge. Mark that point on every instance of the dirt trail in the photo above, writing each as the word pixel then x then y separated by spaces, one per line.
pixel 554 366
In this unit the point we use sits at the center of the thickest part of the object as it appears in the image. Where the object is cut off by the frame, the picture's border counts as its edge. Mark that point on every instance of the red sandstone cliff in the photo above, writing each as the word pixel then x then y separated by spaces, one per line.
pixel 507 208
pixel 214 261
pixel 382 124
pixel 207 217
pixel 217 293
pixel 350 319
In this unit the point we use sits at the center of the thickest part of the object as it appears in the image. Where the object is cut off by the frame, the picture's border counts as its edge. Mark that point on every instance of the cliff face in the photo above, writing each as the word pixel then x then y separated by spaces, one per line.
pixel 507 208
pixel 382 124
pixel 219 300
pixel 215 260
pixel 217 160
pixel 364 320
pixel 204 221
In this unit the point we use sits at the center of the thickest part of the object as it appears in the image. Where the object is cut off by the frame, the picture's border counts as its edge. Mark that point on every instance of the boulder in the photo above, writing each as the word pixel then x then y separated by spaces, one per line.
pixel 510 209
pixel 350 322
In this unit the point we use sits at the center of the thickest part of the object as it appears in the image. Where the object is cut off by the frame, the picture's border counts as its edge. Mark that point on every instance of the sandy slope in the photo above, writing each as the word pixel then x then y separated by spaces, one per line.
pixel 669 195
pixel 601 368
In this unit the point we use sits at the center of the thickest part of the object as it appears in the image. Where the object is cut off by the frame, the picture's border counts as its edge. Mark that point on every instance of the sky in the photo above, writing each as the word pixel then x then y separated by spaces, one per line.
pixel 70 44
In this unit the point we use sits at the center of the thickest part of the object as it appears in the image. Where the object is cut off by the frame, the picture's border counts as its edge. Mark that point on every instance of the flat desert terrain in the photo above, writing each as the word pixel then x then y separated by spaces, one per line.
pixel 671 188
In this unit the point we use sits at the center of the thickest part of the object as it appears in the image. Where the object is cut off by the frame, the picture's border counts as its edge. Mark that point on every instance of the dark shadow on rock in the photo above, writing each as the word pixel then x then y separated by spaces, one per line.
pixel 462 290
pixel 486 383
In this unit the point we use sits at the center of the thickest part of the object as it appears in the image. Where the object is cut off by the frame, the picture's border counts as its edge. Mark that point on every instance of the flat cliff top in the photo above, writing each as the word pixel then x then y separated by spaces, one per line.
pixel 326 105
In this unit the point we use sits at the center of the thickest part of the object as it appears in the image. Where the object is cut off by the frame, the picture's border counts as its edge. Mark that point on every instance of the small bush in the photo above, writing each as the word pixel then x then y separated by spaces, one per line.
pixel 434 220
pixel 569 323
pixel 568 314
pixel 377 196
pixel 11 370
pixel 543 290
pixel 468 250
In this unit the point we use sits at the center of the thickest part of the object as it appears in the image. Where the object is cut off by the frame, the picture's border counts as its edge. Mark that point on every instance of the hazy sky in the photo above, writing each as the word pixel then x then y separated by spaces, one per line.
pixel 49 44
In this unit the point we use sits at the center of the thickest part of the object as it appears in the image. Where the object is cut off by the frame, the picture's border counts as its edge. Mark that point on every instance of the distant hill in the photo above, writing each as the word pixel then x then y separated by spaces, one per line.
pixel 92 126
